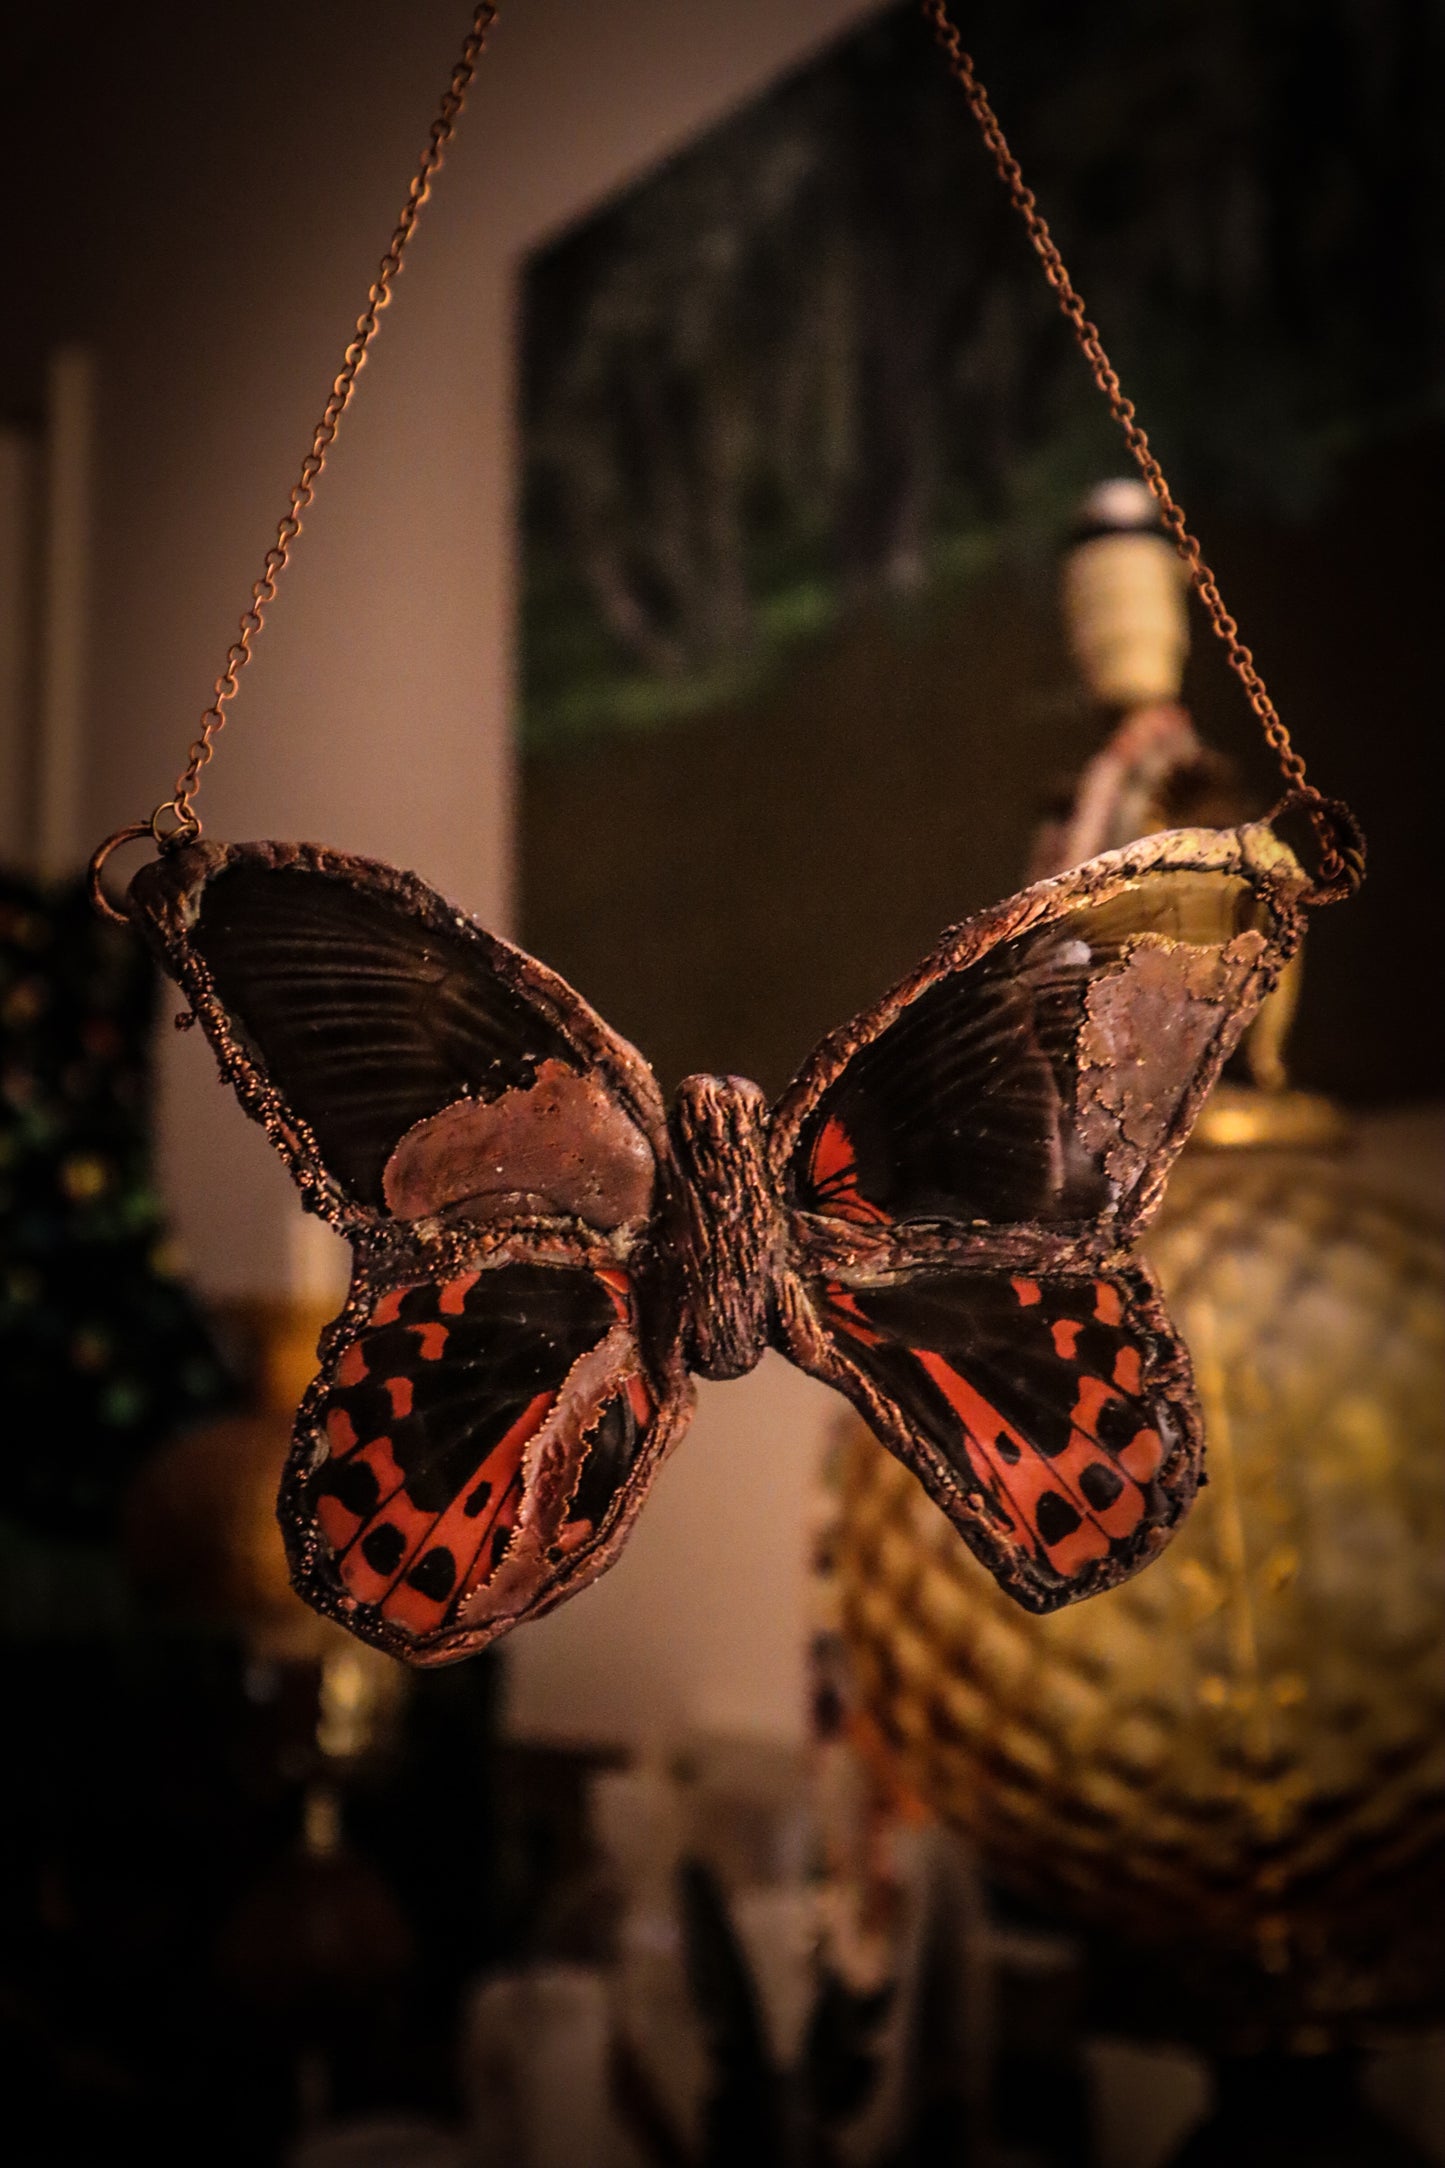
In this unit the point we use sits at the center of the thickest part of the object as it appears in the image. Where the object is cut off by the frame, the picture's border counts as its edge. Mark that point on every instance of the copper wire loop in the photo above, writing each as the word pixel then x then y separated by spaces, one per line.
pixel 1341 869
pixel 1335 878
pixel 99 901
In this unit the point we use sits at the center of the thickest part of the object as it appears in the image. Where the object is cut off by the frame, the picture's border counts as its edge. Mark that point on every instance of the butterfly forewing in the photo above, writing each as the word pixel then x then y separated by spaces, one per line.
pixel 1052 1419
pixel 477 1443
pixel 351 1007
pixel 1043 1066
pixel 368 1020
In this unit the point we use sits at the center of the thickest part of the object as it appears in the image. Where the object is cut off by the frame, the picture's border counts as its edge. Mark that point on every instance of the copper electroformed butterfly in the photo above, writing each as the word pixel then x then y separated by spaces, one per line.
pixel 935 1218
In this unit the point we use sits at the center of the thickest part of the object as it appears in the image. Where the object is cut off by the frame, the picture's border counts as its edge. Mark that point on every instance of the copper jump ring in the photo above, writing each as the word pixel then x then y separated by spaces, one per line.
pixel 99 900
pixel 185 829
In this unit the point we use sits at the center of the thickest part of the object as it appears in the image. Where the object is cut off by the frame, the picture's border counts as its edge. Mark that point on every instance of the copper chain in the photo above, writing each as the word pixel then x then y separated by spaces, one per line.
pixel 1339 866
pixel 188 782
pixel 1334 868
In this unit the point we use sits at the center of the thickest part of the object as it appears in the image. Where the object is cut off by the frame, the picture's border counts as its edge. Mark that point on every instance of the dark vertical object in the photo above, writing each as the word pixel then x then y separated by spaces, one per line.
pixel 743 2115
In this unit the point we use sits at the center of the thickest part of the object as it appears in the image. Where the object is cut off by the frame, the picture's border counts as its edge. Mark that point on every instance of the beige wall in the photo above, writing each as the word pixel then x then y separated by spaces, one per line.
pixel 377 713
pixel 260 173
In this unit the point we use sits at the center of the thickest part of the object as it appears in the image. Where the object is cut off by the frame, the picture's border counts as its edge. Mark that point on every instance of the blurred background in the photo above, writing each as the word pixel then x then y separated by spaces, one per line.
pixel 691 596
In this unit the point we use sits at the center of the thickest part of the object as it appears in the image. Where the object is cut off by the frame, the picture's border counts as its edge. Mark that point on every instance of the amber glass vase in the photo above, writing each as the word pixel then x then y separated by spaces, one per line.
pixel 1232 1769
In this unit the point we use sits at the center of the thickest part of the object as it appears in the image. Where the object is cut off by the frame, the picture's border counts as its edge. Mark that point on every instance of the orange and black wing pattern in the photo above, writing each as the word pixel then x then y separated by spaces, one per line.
pixel 476 1446
pixel 1052 1419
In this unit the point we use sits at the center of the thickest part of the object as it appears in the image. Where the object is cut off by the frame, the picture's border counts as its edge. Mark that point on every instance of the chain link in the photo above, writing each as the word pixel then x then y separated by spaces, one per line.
pixel 180 808
pixel 1337 860
pixel 175 818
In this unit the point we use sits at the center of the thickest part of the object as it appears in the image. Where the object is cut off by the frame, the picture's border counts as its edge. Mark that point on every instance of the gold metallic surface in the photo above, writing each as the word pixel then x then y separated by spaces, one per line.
pixel 1236 1761
pixel 1235 1118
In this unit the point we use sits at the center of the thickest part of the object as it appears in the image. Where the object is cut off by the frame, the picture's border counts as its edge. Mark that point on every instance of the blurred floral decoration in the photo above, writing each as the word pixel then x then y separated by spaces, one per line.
pixel 103 1350
pixel 672 2013
pixel 812 360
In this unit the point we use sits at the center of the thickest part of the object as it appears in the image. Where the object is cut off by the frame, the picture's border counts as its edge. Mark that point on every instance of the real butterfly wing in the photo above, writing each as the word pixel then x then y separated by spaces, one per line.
pixel 484 1429
pixel 485 1424
pixel 1043 1066
pixel 349 1004
pixel 1052 1419
pixel 966 1164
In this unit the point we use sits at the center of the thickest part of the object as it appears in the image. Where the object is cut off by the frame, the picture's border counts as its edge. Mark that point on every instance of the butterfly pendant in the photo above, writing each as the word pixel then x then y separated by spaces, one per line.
pixel 935 1218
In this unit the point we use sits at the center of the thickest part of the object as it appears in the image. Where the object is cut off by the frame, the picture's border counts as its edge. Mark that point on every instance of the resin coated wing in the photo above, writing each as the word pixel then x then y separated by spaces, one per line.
pixel 490 1411
pixel 404 1061
pixel 1042 1068
pixel 966 1165
pixel 1053 1418
pixel 484 1429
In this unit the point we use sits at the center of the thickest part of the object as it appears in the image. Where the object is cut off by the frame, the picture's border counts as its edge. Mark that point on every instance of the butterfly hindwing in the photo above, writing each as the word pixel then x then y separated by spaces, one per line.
pixel 478 1443
pixel 1043 1066
pixel 1052 1418
pixel 388 1043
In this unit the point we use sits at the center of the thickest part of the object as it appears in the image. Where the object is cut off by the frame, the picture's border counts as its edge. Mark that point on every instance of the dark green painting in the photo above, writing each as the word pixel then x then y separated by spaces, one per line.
pixel 813 361
pixel 804 430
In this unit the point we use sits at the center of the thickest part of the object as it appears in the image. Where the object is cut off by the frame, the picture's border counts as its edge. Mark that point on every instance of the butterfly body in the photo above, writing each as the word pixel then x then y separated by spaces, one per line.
pixel 936 1218
pixel 731 1237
